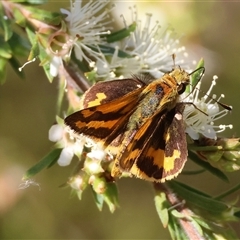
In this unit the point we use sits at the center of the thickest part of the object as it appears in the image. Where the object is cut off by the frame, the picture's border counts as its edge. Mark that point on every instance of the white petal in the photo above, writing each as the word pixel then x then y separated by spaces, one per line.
pixel 209 132
pixel 78 145
pixel 55 133
pixel 65 157
pixel 96 154
pixel 54 66
pixel 192 134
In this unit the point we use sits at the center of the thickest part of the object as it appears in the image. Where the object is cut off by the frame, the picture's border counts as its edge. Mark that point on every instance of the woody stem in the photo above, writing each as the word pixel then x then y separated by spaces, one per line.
pixel 187 225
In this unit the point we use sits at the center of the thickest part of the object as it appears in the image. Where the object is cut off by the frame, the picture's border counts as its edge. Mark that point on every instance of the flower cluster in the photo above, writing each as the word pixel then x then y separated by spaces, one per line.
pixel 148 48
pixel 201 113
pixel 144 50
pixel 85 26
pixel 70 145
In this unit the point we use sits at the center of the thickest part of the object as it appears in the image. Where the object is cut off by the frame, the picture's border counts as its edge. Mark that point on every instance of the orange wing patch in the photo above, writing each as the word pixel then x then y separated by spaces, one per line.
pixel 104 122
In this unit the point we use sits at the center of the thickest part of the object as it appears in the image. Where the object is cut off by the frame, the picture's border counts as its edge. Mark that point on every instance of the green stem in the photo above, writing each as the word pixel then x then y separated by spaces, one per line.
pixel 193 172
pixel 230 191
pixel 204 148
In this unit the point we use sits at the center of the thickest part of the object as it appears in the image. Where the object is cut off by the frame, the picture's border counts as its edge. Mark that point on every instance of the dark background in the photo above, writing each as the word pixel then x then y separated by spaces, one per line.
pixel 27 111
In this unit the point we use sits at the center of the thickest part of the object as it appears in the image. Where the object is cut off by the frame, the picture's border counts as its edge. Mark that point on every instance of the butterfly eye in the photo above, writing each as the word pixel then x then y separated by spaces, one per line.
pixel 181 88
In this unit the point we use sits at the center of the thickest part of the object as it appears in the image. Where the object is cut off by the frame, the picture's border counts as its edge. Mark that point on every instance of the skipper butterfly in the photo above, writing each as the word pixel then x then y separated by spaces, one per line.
pixel 139 121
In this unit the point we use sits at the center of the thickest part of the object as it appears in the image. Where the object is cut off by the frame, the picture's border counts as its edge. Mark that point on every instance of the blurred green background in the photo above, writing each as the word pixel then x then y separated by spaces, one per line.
pixel 27 111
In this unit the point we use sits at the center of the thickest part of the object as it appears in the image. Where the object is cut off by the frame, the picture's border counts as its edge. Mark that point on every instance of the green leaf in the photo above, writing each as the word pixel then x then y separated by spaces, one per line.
pixel 46 68
pixel 91 77
pixel 5 49
pixel 193 172
pixel 106 191
pixel 175 229
pixel 121 34
pixel 224 234
pixel 162 205
pixel 216 172
pixel 19 45
pixel 177 214
pixel 227 193
pixel 34 53
pixel 83 66
pixel 213 230
pixel 99 200
pixel 197 227
pixel 196 75
pixel 31 34
pixel 16 66
pixel 5 24
pixel 202 222
pixel 20 19
pixel 45 63
pixel 34 2
pixel 195 190
pixel 106 50
pixel 197 198
pixel 194 147
pixel 52 18
pixel 59 120
pixel 47 161
pixel 3 63
pixel 111 196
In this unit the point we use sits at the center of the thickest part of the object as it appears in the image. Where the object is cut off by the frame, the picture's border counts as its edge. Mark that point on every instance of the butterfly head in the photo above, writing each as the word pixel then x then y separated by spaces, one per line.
pixel 182 79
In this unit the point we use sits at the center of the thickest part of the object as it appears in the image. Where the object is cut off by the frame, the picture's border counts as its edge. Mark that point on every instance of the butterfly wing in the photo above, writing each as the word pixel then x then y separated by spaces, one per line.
pixel 159 149
pixel 104 92
pixel 105 122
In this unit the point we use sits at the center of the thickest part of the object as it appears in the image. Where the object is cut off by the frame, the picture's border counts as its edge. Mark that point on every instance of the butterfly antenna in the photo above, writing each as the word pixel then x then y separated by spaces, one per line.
pixel 173 58
pixel 225 106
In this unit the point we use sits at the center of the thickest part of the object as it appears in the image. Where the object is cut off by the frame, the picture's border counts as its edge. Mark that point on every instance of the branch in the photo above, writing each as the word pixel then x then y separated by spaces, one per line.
pixel 186 224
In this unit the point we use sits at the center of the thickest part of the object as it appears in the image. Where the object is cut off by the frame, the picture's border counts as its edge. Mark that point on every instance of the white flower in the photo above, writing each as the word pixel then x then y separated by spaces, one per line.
pixel 200 116
pixel 76 182
pixel 97 153
pixel 150 50
pixel 116 67
pixel 153 48
pixel 65 157
pixel 54 65
pixel 71 143
pixel 93 164
pixel 86 24
pixel 55 133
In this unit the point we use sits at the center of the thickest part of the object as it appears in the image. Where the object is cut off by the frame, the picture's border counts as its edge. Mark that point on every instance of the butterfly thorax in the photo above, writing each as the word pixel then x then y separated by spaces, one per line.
pixel 159 96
